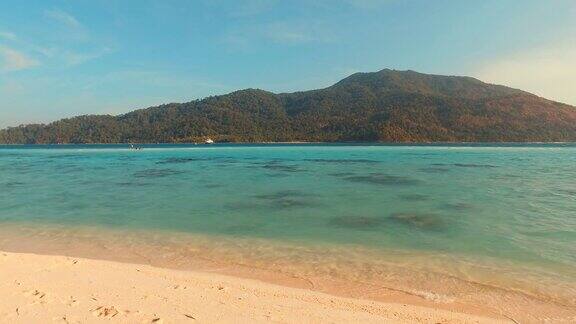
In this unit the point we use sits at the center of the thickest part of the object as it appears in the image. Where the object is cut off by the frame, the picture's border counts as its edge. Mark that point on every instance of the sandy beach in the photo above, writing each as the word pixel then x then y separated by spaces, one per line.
pixel 39 289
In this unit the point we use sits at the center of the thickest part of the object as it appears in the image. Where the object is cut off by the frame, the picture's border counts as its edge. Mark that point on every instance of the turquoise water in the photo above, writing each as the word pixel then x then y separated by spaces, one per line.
pixel 514 203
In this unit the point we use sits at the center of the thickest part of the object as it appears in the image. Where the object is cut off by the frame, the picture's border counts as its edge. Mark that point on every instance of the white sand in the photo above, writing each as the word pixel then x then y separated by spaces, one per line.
pixel 43 289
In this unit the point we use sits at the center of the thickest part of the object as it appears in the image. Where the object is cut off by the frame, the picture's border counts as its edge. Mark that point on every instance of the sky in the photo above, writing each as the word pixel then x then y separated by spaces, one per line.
pixel 71 57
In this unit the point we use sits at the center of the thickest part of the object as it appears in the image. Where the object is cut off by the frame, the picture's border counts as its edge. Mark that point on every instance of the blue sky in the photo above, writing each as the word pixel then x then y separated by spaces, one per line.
pixel 70 57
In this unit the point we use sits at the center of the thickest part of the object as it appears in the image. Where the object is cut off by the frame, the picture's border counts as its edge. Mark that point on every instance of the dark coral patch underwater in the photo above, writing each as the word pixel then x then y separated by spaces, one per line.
pixel 383 179
pixel 460 206
pixel 283 194
pixel 281 167
pixel 286 199
pixel 414 197
pixel 425 221
pixel 434 169
pixel 357 222
pixel 342 161
pixel 177 160
pixel 156 173
pixel 466 165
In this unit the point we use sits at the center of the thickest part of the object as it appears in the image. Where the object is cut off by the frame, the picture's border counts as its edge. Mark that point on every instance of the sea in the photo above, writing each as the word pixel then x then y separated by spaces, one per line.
pixel 444 222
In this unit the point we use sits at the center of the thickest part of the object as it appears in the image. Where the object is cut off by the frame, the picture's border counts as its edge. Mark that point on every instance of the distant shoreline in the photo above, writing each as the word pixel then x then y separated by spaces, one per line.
pixel 303 143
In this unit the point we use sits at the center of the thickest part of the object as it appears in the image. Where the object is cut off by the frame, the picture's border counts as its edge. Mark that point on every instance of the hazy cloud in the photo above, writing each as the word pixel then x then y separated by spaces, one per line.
pixel 282 33
pixel 7 35
pixel 549 72
pixel 13 60
pixel 287 34
pixel 62 17
pixel 71 58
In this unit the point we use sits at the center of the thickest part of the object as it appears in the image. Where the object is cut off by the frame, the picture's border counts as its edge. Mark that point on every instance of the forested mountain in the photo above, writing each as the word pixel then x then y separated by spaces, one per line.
pixel 386 106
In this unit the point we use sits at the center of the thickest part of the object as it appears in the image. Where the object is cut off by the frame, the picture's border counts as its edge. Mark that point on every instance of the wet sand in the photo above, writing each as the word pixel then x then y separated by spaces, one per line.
pixel 39 289
pixel 343 274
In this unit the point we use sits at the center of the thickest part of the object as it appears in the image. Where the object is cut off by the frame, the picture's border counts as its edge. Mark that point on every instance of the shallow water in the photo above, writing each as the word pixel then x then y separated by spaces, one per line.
pixel 467 211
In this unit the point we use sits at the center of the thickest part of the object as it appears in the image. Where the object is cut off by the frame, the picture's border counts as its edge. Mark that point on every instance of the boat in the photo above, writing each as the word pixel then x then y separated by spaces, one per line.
pixel 135 148
pixel 209 141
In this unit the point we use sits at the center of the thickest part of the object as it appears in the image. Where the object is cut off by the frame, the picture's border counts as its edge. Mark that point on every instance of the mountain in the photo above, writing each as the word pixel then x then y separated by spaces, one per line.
pixel 386 106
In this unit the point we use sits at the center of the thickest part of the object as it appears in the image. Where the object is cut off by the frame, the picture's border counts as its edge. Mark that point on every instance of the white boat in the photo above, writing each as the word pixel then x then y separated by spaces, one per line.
pixel 209 141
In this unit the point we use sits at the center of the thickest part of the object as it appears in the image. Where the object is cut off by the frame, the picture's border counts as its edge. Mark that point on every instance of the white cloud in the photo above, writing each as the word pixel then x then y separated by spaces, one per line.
pixel 62 17
pixel 549 72
pixel 13 60
pixel 68 47
pixel 7 35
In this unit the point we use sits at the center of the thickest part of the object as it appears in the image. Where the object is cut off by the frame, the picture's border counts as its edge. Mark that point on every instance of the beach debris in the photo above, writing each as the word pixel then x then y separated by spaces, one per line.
pixel 107 312
pixel 36 293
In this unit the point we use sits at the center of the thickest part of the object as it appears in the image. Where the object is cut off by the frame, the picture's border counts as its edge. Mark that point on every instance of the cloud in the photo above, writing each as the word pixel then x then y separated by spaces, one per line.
pixel 299 32
pixel 59 56
pixel 7 35
pixel 62 17
pixel 71 58
pixel 13 60
pixel 549 72
pixel 287 34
